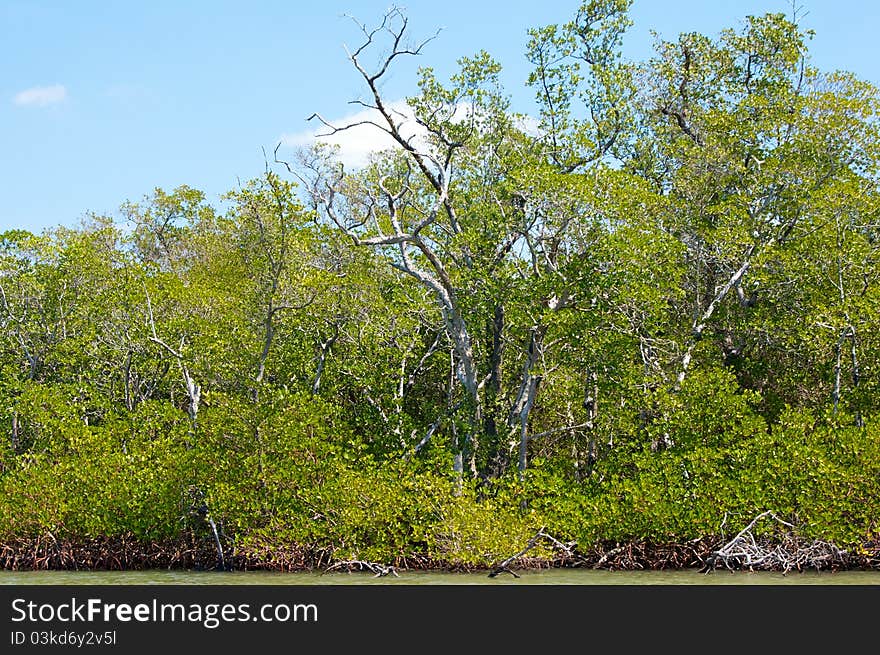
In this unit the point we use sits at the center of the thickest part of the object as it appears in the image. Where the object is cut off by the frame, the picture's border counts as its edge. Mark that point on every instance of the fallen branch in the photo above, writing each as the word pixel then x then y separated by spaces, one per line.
pixel 610 553
pixel 789 553
pixel 504 566
pixel 380 570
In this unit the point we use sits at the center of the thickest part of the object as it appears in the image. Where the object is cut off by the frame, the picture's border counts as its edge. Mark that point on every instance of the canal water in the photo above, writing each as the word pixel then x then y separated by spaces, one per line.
pixel 572 576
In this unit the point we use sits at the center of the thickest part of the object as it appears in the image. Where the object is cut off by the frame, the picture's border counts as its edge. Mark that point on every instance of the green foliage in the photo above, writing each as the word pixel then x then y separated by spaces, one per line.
pixel 123 477
pixel 820 476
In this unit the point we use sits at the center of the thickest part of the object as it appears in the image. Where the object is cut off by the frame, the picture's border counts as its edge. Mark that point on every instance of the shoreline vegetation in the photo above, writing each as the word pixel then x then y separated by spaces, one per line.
pixel 743 552
pixel 123 555
pixel 639 328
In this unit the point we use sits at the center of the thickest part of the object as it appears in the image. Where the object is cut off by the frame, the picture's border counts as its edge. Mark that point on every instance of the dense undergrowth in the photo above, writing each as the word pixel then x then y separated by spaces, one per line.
pixel 311 485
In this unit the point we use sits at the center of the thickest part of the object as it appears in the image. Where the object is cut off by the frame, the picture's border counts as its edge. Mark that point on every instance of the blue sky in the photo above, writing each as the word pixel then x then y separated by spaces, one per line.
pixel 100 102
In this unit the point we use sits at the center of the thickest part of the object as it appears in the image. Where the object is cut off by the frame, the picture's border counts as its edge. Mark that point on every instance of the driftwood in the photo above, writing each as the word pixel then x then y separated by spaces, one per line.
pixel 790 553
pixel 610 553
pixel 504 566
pixel 380 570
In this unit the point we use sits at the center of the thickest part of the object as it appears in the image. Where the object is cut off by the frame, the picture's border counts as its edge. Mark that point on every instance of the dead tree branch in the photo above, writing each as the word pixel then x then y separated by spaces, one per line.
pixel 788 553
pixel 380 570
pixel 504 566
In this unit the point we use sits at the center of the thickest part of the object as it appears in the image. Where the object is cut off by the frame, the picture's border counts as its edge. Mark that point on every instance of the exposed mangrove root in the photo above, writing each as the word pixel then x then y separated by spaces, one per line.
pixel 380 570
pixel 504 566
pixel 644 555
pixel 606 556
pixel 787 553
pixel 192 551
pixel 120 553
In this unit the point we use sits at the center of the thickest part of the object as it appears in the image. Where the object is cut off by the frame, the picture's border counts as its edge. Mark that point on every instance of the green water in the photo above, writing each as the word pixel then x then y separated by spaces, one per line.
pixel 545 577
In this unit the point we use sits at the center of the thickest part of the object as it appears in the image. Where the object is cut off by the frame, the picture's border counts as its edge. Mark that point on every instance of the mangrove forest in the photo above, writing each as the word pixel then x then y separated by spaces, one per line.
pixel 636 326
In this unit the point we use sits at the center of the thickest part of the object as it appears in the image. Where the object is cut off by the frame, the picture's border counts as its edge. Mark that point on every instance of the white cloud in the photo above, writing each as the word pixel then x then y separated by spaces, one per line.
pixel 357 143
pixel 529 125
pixel 41 96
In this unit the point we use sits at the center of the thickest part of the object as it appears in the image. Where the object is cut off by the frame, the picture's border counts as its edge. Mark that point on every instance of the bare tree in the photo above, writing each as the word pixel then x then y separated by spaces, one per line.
pixel 193 388
pixel 386 210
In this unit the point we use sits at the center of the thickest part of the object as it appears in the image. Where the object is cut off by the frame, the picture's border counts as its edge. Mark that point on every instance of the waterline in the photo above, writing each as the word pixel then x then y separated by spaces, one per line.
pixel 542 577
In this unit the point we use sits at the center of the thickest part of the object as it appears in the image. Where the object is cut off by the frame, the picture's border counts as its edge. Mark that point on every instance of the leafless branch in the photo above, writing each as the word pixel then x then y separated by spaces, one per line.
pixel 380 570
pixel 504 565
pixel 567 428
pixel 786 554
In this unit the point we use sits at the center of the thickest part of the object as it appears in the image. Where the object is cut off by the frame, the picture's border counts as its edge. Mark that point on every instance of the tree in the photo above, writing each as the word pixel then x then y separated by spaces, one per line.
pixel 407 209
pixel 498 224
pixel 750 139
